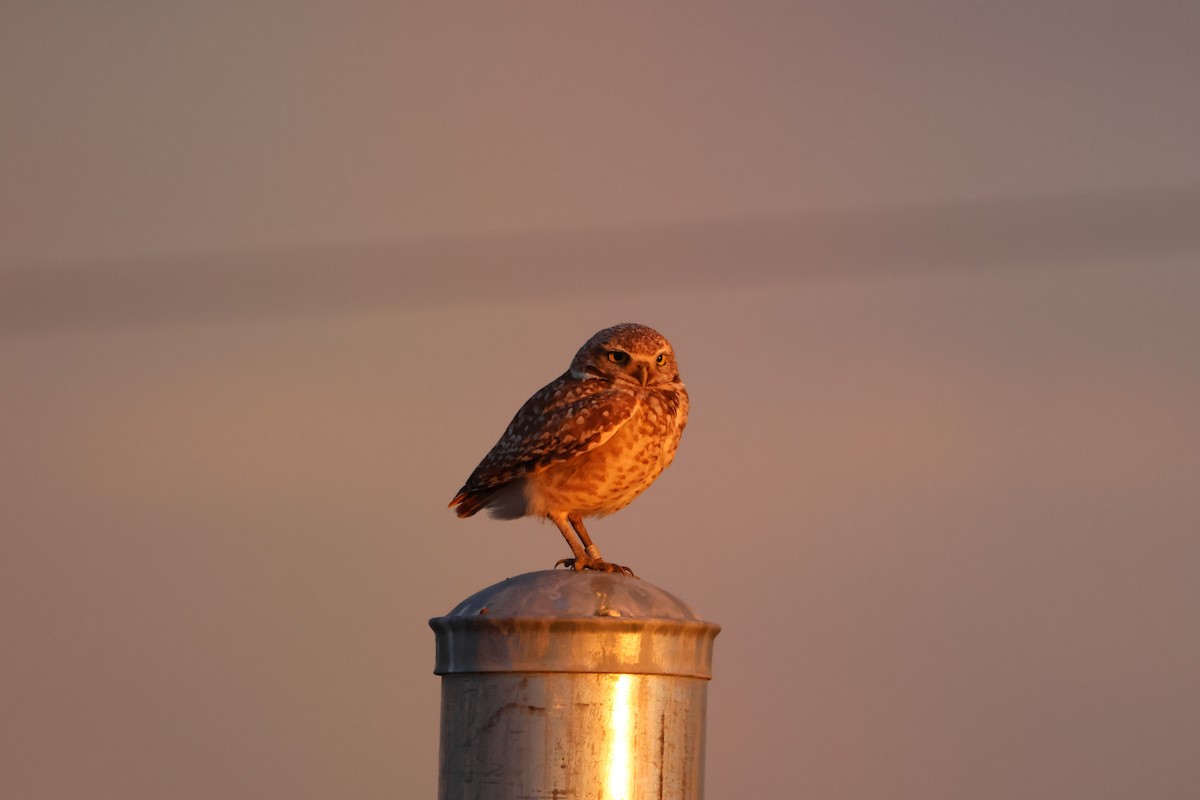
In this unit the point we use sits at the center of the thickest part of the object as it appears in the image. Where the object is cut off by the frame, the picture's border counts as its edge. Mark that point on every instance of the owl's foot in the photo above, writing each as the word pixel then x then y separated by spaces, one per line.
pixel 598 564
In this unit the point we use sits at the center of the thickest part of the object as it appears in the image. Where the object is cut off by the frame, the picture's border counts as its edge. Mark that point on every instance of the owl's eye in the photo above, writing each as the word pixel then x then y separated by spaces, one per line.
pixel 618 357
pixel 662 359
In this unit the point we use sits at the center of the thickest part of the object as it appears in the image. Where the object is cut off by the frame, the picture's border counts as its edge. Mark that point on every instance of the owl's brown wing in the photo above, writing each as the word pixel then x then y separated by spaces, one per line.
pixel 567 418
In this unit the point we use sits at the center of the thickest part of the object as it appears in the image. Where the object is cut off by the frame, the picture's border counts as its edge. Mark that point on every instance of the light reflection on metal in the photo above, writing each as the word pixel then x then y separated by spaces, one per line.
pixel 580 685
pixel 620 772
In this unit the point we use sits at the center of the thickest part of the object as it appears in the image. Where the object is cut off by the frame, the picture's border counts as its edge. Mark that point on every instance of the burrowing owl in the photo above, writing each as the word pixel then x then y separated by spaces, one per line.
pixel 588 442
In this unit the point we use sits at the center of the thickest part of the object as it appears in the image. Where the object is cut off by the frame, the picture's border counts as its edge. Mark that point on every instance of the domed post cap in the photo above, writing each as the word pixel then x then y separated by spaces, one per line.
pixel 567 621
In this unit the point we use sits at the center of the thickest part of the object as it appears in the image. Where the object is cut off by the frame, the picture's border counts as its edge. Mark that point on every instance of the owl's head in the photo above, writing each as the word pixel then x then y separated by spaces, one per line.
pixel 628 353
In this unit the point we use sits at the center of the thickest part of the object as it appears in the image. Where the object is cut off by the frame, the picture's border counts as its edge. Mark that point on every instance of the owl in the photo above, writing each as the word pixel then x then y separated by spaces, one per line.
pixel 588 442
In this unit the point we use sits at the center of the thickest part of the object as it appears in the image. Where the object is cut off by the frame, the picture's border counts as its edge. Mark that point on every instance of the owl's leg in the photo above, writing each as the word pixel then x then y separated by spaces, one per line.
pixel 593 552
pixel 593 559
pixel 560 522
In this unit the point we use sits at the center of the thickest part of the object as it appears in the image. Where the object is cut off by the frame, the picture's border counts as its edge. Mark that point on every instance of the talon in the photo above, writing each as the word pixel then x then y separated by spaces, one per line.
pixel 621 569
pixel 598 564
pixel 610 567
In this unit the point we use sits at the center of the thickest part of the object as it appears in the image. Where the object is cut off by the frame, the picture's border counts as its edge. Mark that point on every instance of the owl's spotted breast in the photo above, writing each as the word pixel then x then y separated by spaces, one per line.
pixel 589 442
pixel 608 478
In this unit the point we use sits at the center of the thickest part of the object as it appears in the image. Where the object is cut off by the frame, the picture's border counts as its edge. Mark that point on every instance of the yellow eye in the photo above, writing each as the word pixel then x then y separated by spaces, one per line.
pixel 662 359
pixel 618 357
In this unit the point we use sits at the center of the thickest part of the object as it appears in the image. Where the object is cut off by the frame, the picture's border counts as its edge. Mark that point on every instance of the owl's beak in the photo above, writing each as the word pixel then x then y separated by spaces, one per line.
pixel 642 373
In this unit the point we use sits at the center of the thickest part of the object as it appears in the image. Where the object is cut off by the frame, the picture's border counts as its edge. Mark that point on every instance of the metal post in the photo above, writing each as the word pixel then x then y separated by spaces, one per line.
pixel 558 684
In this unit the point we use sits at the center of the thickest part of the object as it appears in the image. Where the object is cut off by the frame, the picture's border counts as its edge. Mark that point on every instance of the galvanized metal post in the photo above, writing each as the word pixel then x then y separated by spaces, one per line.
pixel 560 684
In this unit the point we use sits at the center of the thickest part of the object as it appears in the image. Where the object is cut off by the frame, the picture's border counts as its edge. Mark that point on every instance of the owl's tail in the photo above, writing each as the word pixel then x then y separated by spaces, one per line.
pixel 468 503
pixel 502 500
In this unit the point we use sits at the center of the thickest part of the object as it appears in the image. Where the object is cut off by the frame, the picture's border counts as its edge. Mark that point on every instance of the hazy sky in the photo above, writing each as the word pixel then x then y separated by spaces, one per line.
pixel 273 278
pixel 143 128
